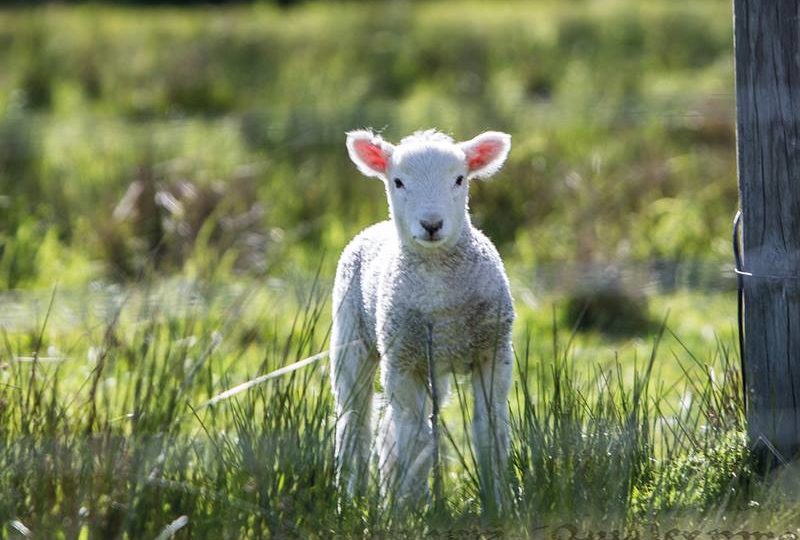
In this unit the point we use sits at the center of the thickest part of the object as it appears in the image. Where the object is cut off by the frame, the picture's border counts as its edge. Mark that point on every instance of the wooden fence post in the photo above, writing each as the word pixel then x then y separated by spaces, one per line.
pixel 767 54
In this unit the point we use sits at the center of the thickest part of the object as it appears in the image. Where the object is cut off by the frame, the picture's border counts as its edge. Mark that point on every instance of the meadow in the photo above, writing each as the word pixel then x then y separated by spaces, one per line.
pixel 174 192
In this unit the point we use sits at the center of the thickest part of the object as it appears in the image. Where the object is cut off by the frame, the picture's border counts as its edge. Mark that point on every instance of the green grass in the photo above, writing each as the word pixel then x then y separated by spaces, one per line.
pixel 107 434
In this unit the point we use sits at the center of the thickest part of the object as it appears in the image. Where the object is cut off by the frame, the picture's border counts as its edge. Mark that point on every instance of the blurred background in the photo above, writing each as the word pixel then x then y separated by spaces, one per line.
pixel 174 195
pixel 197 140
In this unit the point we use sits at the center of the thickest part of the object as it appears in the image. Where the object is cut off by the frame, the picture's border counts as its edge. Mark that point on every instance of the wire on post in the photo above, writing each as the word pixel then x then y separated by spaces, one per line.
pixel 740 274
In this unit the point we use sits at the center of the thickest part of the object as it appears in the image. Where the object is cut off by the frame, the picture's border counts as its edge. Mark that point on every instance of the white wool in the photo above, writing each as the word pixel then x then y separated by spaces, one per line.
pixel 427 267
pixel 427 135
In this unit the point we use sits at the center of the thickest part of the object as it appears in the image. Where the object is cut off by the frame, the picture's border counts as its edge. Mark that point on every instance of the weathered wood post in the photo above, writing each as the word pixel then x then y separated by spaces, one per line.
pixel 767 53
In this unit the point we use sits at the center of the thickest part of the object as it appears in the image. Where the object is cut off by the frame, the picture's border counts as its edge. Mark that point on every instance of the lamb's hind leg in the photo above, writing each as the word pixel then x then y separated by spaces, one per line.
pixel 491 382
pixel 353 367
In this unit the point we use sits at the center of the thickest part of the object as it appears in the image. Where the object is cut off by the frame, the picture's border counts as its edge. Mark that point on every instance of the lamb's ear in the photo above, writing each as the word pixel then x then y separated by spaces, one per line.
pixel 486 153
pixel 369 152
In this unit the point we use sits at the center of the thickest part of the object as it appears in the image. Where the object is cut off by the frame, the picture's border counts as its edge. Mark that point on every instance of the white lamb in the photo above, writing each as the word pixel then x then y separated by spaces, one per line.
pixel 426 266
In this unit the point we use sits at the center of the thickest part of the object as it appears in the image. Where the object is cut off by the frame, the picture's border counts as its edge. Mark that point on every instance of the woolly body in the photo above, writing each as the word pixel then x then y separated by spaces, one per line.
pixel 462 292
pixel 426 268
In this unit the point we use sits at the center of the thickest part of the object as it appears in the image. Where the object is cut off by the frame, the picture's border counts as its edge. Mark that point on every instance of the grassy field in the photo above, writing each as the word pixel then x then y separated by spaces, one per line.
pixel 174 192
pixel 621 113
pixel 110 433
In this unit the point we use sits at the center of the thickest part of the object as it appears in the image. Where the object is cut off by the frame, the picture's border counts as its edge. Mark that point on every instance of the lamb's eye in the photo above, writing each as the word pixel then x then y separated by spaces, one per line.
pixel 398 183
pixel 459 180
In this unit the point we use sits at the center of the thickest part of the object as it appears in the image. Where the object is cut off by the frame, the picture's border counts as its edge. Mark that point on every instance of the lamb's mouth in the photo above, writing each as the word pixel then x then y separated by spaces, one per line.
pixel 429 241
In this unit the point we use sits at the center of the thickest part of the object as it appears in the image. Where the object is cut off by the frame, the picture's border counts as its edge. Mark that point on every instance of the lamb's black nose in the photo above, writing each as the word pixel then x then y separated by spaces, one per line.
pixel 431 226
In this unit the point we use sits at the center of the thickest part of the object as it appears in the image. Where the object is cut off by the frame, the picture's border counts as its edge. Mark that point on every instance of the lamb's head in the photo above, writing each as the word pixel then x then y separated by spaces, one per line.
pixel 427 179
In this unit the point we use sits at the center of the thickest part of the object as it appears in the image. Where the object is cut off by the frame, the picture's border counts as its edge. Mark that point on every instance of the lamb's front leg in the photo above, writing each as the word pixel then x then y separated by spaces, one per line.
pixel 491 382
pixel 404 437
pixel 353 368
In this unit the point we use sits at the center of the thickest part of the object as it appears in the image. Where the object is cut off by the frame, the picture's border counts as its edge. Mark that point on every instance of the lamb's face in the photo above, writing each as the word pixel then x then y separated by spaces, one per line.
pixel 427 178
pixel 427 191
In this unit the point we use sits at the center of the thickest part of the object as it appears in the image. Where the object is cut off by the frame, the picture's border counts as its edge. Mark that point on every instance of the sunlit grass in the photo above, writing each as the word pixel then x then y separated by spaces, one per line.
pixel 108 432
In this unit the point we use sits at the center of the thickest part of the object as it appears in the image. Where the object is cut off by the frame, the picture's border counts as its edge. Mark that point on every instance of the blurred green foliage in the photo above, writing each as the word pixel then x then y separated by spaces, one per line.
pixel 621 113
pixel 208 141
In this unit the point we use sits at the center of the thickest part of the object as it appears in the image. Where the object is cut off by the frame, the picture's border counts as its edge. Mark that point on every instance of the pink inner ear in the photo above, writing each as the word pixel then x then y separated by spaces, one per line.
pixel 371 155
pixel 481 154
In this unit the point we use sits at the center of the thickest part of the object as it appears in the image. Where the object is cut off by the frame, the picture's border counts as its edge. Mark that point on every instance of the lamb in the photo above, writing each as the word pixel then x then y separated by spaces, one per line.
pixel 426 268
